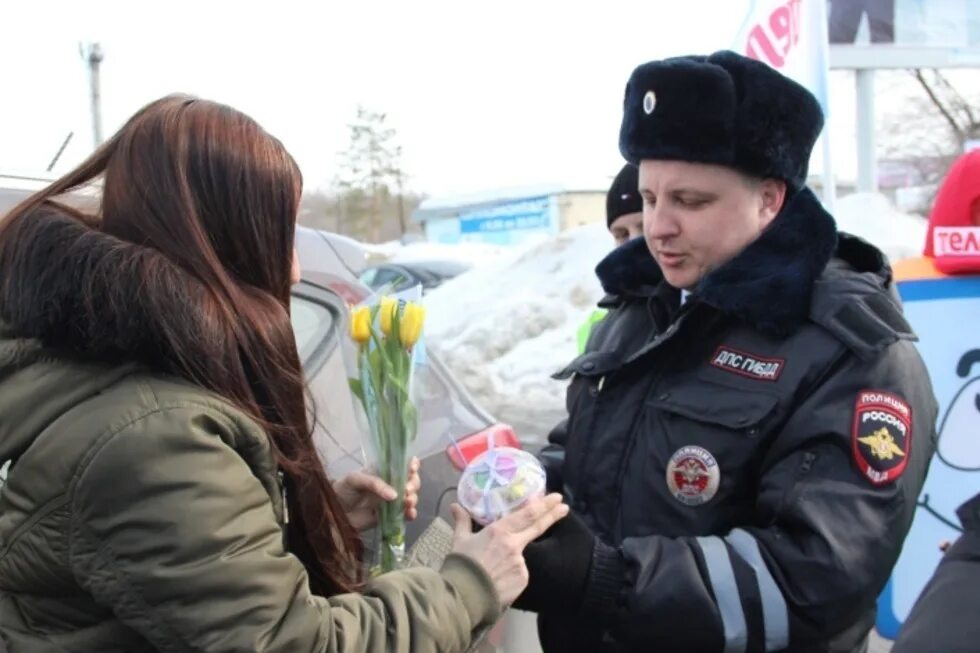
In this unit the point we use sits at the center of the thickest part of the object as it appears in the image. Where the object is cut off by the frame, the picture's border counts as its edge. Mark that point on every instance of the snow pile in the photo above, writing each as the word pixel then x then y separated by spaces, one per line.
pixel 382 251
pixel 475 254
pixel 872 217
pixel 506 326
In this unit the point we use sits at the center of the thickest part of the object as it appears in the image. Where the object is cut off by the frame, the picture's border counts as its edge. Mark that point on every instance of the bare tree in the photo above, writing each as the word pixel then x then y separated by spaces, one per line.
pixel 342 211
pixel 930 130
pixel 320 211
pixel 370 178
pixel 960 114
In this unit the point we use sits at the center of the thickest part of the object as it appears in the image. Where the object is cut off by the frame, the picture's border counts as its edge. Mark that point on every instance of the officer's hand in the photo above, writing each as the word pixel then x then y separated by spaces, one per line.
pixel 558 564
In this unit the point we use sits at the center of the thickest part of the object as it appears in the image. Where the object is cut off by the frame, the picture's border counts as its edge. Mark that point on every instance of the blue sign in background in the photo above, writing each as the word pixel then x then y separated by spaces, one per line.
pixel 508 223
pixel 517 216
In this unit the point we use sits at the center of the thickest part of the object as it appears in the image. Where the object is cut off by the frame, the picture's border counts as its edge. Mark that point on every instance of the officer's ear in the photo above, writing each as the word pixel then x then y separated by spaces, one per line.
pixel 772 196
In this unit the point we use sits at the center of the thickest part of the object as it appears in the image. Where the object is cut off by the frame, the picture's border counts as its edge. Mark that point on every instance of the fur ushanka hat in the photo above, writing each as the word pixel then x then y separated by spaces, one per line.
pixel 724 109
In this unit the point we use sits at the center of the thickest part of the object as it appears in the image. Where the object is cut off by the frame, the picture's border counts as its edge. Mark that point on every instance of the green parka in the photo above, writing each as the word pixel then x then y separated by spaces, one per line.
pixel 141 513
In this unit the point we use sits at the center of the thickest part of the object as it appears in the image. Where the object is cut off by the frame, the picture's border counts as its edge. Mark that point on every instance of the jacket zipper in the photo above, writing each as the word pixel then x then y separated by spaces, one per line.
pixel 672 329
pixel 805 466
pixel 285 504
pixel 596 390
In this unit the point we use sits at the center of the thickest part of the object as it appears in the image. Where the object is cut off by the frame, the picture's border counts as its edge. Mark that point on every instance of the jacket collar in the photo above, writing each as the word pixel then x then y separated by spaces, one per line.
pixel 768 285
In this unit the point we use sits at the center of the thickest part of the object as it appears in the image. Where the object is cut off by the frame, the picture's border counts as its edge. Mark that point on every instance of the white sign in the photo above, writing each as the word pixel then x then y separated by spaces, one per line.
pixel 956 241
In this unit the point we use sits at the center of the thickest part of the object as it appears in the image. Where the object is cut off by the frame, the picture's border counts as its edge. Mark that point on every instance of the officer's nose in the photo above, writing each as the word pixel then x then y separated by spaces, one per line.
pixel 658 224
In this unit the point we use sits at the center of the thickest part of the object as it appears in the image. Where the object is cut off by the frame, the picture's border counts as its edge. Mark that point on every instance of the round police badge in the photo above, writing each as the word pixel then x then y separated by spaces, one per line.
pixel 649 102
pixel 693 475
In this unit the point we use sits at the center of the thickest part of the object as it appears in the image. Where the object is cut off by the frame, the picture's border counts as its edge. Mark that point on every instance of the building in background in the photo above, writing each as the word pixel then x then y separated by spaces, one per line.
pixel 509 217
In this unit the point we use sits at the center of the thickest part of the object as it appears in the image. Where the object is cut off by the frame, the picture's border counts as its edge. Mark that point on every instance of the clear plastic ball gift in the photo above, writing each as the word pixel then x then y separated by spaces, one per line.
pixel 499 481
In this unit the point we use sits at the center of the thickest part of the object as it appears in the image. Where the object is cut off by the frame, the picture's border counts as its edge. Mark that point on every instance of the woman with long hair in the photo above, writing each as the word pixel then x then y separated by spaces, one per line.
pixel 164 492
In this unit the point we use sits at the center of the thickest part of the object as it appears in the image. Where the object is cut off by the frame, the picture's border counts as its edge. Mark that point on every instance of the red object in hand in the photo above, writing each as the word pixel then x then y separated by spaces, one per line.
pixel 468 448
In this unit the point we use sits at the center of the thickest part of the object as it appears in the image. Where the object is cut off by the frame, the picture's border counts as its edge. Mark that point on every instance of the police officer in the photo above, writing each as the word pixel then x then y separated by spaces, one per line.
pixel 624 219
pixel 750 426
pixel 624 206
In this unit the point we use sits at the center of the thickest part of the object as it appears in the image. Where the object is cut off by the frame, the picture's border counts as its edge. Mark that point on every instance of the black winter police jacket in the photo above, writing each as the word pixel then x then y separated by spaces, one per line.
pixel 749 460
pixel 945 616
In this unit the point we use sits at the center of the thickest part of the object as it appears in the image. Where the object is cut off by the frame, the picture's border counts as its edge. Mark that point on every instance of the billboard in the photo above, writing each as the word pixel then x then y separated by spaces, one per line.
pixel 533 214
pixel 502 223
pixel 904 33
pixel 935 23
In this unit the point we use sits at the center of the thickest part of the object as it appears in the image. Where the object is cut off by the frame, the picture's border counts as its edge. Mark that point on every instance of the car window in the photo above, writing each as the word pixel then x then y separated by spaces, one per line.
pixel 367 277
pixel 311 326
pixel 385 276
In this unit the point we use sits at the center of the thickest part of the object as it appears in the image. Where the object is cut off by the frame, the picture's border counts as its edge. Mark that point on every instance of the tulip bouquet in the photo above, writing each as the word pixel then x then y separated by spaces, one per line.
pixel 387 332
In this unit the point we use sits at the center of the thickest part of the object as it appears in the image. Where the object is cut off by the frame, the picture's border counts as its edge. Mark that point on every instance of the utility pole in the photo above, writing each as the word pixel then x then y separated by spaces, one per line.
pixel 61 151
pixel 92 53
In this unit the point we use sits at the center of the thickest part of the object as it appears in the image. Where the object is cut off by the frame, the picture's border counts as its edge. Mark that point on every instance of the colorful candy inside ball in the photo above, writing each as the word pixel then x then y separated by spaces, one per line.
pixel 500 481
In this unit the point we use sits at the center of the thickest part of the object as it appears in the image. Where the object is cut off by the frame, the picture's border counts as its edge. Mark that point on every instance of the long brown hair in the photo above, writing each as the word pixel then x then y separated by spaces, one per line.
pixel 185 267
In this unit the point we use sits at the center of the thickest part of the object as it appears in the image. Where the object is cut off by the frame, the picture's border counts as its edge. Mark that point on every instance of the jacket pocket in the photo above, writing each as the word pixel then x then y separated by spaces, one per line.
pixel 718 407
pixel 724 431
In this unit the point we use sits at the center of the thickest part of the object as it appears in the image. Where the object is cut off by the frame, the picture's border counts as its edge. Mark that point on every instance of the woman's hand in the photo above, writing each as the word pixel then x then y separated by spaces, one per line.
pixel 499 547
pixel 361 493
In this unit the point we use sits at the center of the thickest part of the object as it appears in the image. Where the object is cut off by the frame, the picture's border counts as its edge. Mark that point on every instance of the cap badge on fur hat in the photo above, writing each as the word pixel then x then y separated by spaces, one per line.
pixel 649 102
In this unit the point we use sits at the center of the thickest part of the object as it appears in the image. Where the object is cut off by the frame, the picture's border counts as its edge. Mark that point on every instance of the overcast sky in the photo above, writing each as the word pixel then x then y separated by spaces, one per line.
pixel 483 94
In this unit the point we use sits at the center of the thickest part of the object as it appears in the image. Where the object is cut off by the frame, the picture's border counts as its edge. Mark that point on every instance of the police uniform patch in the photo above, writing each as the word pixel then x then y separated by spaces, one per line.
pixel 693 475
pixel 882 435
pixel 761 368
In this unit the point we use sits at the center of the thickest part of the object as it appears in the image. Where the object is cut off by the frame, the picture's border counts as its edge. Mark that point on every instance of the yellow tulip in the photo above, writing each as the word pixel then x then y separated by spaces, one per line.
pixel 388 308
pixel 411 324
pixel 360 324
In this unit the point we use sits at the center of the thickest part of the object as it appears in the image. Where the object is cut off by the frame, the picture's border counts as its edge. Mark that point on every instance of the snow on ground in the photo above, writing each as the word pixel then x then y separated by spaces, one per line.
pixel 872 217
pixel 382 251
pixel 473 253
pixel 506 326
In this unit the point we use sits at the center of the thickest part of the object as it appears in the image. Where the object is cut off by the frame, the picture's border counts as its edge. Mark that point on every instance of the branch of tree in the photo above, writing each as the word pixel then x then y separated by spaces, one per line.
pixel 938 103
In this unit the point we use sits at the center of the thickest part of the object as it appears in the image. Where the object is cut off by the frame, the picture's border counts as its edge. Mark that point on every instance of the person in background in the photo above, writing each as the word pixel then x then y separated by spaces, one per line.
pixel 624 219
pixel 164 492
pixel 944 617
pixel 624 206
pixel 751 425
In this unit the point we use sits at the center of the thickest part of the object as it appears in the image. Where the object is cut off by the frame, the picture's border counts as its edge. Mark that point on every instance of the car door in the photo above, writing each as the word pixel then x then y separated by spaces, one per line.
pixel 319 324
